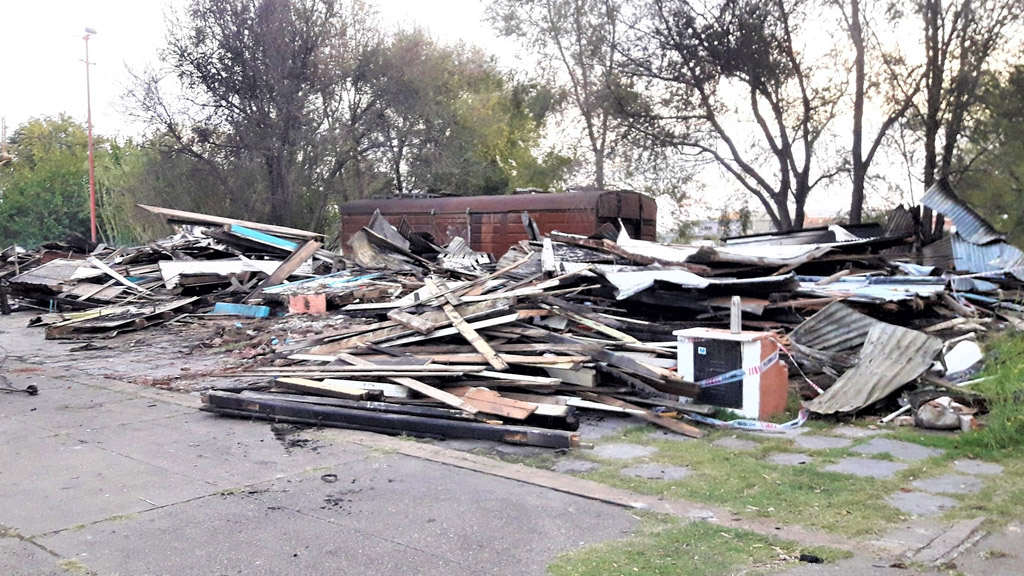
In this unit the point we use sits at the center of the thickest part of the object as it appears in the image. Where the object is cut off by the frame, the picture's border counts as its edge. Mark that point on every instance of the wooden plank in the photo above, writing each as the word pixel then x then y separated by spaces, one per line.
pixel 452 331
pixel 417 323
pixel 540 380
pixel 421 387
pixel 195 217
pixel 332 390
pixel 656 419
pixel 491 402
pixel 467 331
pixel 580 376
pixel 382 334
pixel 317 415
pixel 389 390
pixel 290 264
pixel 439 369
pixel 115 275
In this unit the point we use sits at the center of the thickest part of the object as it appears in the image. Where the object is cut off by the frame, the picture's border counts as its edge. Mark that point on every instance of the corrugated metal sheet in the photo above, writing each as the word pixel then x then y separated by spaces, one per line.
pixel 969 224
pixel 901 223
pixel 835 328
pixel 891 357
pixel 877 288
pixel 993 257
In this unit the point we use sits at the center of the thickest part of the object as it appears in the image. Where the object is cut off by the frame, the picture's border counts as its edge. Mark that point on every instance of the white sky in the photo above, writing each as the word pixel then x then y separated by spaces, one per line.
pixel 43 70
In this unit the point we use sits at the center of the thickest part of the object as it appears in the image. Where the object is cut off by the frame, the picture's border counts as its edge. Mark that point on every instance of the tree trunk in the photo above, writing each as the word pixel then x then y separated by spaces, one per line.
pixel 280 192
pixel 599 168
pixel 857 150
pixel 934 69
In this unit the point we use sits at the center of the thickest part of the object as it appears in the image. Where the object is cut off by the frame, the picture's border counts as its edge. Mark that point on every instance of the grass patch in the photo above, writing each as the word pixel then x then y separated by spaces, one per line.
pixel 749 485
pixel 74 566
pixel 664 545
pixel 1004 391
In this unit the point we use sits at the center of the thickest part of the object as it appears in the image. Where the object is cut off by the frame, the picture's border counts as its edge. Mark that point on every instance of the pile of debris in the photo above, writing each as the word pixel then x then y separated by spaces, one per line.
pixel 441 341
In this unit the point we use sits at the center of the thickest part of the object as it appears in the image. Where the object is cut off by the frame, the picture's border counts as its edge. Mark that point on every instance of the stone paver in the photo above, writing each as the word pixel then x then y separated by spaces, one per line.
pixel 815 442
pixel 733 443
pixel 657 472
pixel 603 425
pixel 623 451
pixel 920 503
pixel 867 467
pixel 1000 554
pixel 950 484
pixel 855 432
pixel 977 467
pixel 573 466
pixel 790 459
pixel 897 449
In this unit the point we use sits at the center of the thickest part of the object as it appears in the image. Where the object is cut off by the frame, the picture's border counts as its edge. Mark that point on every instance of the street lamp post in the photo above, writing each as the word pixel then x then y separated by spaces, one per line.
pixel 92 173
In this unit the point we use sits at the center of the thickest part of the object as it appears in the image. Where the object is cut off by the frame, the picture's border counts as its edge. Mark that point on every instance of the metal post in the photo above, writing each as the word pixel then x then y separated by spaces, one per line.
pixel 92 172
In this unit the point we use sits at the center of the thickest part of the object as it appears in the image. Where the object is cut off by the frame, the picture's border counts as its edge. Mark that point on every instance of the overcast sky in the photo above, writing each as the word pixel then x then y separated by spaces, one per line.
pixel 43 70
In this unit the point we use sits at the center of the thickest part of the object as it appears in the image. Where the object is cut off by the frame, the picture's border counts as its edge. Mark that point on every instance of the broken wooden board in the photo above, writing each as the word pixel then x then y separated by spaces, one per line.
pixel 291 264
pixel 647 415
pixel 491 402
pixel 417 323
pixel 467 331
pixel 413 384
pixel 331 389
pixel 229 404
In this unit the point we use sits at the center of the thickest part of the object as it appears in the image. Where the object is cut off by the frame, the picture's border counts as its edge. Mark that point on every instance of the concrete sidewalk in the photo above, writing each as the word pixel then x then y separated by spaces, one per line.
pixel 101 477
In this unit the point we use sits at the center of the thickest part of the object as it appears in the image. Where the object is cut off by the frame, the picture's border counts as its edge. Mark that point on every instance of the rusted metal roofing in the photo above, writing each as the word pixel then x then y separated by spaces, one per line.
pixel 494 223
pixel 835 328
pixel 891 357
pixel 969 224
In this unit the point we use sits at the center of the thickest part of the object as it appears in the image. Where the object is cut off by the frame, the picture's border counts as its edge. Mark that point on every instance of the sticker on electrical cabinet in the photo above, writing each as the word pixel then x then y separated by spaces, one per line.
pixel 702 350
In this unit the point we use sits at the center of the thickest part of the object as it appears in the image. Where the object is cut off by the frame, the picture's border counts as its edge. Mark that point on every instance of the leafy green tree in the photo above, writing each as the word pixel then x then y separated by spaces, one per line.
pixel 995 183
pixel 44 192
pixel 453 122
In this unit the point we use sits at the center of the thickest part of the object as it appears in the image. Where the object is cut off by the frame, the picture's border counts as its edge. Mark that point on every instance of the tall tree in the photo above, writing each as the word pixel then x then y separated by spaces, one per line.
pixel 994 185
pixel 730 82
pixel 880 71
pixel 960 40
pixel 451 121
pixel 251 71
pixel 44 191
pixel 581 40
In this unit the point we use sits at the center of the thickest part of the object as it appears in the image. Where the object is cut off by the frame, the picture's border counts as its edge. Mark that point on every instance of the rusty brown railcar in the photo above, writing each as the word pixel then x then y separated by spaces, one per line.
pixel 494 223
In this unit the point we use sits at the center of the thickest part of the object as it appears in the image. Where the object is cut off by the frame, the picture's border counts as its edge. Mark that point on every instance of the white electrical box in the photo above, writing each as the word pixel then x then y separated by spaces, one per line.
pixel 739 371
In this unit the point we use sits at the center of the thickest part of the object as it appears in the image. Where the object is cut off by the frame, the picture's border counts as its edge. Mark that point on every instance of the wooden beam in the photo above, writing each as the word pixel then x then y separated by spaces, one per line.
pixel 413 384
pixel 467 331
pixel 333 390
pixel 417 323
pixel 656 419
pixel 290 264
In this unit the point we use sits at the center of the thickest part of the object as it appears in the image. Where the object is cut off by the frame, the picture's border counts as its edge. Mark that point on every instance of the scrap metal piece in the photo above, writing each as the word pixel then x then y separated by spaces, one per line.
pixel 891 357
pixel 969 224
